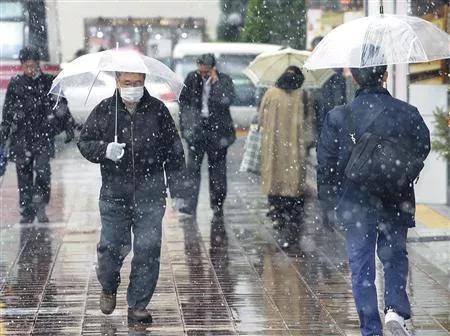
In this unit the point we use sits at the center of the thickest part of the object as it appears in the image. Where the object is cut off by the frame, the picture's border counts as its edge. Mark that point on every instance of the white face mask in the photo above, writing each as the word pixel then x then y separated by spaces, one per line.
pixel 132 94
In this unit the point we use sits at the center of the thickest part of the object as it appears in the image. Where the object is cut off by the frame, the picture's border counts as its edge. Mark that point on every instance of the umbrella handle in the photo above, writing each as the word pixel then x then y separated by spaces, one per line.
pixel 115 119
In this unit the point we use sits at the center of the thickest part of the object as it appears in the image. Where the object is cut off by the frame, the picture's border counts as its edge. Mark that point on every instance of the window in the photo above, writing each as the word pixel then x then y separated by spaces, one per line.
pixel 12 24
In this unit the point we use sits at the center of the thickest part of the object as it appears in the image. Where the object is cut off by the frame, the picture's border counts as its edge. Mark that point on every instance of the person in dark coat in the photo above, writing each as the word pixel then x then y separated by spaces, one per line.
pixel 372 223
pixel 333 93
pixel 207 127
pixel 133 192
pixel 31 121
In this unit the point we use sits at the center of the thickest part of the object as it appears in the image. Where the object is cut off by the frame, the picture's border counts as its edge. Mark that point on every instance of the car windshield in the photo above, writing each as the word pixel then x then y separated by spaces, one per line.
pixel 230 64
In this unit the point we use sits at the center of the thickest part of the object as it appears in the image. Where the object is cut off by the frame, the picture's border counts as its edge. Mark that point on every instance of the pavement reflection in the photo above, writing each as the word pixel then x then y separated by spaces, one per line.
pixel 228 278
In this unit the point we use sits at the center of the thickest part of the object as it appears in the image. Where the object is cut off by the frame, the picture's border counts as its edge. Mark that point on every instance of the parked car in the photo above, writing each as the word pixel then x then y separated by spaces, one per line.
pixel 80 108
pixel 232 58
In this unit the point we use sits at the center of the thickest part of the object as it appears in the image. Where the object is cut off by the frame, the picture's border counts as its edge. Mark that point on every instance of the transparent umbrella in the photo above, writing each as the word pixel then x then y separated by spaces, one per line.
pixel 96 73
pixel 380 40
pixel 267 67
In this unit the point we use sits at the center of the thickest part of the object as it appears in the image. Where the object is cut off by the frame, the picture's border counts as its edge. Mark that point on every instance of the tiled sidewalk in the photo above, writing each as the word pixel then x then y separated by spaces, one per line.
pixel 214 281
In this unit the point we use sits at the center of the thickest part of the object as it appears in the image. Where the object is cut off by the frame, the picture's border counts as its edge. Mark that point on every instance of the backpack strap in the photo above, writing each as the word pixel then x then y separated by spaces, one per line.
pixel 352 122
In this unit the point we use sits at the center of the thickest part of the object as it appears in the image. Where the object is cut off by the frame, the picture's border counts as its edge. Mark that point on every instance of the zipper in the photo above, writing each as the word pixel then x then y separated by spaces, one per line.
pixel 132 158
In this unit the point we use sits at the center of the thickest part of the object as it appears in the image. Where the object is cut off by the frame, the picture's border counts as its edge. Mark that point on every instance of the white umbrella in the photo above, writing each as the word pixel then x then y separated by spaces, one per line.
pixel 267 67
pixel 380 40
pixel 96 72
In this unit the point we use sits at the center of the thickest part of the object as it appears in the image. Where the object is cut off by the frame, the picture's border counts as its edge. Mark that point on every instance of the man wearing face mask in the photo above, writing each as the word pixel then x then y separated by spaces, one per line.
pixel 207 127
pixel 31 121
pixel 133 192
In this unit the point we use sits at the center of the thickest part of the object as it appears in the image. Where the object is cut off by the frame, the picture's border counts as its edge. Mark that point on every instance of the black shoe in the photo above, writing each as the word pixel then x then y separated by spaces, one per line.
pixel 139 315
pixel 27 215
pixel 107 302
pixel 26 219
pixel 184 212
pixel 41 215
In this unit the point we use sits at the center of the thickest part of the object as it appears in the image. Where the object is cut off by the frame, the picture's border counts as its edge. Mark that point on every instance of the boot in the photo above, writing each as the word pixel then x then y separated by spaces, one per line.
pixel 139 315
pixel 107 302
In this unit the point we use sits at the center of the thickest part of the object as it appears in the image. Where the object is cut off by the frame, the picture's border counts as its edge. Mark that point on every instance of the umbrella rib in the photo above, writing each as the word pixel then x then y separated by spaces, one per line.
pixel 424 54
pixel 90 89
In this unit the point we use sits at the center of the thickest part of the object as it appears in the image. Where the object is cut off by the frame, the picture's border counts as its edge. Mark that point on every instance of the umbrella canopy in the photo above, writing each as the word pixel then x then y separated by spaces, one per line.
pixel 96 72
pixel 380 40
pixel 267 67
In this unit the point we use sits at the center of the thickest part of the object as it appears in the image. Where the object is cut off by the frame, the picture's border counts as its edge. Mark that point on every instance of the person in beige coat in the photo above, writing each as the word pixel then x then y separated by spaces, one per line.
pixel 283 148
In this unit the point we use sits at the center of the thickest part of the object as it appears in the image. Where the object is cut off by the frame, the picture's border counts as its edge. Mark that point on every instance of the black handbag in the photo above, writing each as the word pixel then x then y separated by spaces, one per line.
pixel 383 166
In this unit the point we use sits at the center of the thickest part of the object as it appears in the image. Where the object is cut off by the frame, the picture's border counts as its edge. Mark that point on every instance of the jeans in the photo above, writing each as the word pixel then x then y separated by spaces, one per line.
pixel 390 243
pixel 144 218
pixel 217 166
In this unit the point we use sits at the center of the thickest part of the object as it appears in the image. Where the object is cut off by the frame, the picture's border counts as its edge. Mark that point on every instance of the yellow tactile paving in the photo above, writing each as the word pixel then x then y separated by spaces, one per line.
pixel 431 218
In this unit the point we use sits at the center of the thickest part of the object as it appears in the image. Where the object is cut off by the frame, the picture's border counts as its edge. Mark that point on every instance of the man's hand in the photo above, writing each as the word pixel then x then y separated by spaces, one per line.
pixel 70 135
pixel 213 75
pixel 115 151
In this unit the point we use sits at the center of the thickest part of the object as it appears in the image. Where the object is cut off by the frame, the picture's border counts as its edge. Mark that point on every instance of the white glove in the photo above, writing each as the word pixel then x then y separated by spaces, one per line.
pixel 115 151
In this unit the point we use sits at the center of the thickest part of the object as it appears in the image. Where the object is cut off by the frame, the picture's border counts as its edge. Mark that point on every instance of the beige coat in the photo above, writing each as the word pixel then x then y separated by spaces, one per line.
pixel 283 167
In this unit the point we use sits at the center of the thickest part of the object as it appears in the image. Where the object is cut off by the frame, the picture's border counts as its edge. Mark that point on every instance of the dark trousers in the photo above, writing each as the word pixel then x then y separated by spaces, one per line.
pixel 119 218
pixel 389 241
pixel 33 180
pixel 286 209
pixel 217 166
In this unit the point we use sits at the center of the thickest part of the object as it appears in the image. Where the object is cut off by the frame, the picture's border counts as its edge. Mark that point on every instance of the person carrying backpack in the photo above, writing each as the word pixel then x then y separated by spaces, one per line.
pixel 369 154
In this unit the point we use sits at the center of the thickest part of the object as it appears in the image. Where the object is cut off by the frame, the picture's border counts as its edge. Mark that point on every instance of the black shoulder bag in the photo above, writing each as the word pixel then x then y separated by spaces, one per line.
pixel 382 166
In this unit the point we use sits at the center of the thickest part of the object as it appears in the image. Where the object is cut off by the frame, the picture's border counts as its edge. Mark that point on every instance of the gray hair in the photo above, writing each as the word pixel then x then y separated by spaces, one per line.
pixel 119 73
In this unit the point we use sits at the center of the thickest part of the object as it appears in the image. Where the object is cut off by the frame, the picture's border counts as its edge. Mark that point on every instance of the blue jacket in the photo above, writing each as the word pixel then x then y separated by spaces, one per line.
pixel 397 119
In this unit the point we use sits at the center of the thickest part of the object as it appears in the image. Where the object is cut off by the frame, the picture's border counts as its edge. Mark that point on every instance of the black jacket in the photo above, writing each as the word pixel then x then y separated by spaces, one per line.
pixel 218 129
pixel 397 120
pixel 152 147
pixel 29 119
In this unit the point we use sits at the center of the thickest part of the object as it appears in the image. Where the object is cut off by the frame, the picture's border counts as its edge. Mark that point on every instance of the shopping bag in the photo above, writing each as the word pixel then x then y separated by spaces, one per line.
pixel 251 161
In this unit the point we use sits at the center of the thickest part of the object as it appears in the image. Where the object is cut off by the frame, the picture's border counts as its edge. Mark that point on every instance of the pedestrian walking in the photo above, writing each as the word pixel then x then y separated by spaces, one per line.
pixel 375 218
pixel 146 146
pixel 31 121
pixel 283 114
pixel 207 127
pixel 333 93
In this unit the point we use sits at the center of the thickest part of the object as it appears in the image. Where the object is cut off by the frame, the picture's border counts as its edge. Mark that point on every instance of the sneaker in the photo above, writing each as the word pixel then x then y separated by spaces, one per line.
pixel 139 315
pixel 395 324
pixel 107 302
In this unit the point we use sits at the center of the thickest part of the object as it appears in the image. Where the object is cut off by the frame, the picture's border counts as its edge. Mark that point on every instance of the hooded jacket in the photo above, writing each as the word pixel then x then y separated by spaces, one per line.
pixel 152 147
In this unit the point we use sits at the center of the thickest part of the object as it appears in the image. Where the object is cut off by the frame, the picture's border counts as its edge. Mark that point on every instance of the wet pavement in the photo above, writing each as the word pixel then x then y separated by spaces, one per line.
pixel 215 280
